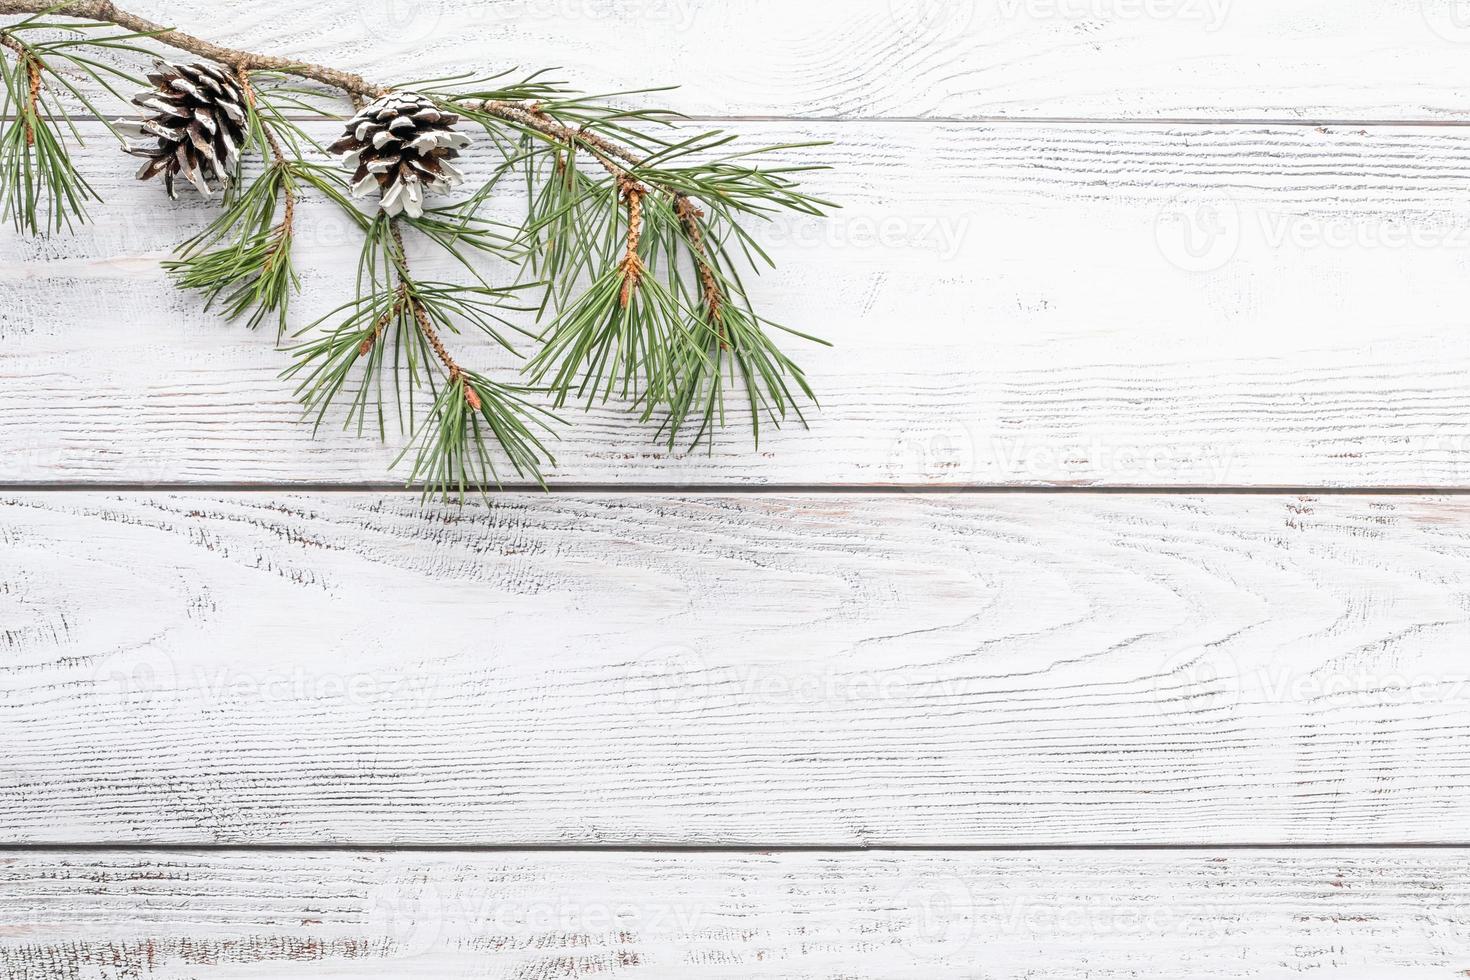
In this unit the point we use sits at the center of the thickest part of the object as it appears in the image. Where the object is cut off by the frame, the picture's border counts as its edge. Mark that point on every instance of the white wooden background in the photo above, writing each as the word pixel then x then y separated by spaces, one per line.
pixel 1110 621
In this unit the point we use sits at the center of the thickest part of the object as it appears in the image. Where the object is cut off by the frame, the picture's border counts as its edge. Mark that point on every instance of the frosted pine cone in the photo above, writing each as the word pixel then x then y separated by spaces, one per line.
pixel 401 145
pixel 197 126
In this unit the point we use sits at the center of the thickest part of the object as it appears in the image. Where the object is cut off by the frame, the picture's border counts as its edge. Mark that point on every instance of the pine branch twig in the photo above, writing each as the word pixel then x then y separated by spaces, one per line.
pixel 289 196
pixel 353 85
pixel 425 326
pixel 33 74
pixel 108 12
pixel 633 267
pixel 689 215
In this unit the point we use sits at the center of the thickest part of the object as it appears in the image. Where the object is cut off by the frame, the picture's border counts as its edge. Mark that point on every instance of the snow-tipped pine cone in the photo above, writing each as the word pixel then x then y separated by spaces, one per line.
pixel 196 126
pixel 401 146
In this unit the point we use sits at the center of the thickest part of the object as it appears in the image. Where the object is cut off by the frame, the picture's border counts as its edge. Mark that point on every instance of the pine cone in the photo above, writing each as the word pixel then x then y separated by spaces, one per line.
pixel 401 145
pixel 198 126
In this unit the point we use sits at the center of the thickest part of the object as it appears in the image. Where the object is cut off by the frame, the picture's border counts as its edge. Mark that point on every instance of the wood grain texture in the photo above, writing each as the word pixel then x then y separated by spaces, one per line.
pixel 1011 305
pixel 769 670
pixel 907 916
pixel 1031 303
pixel 1306 59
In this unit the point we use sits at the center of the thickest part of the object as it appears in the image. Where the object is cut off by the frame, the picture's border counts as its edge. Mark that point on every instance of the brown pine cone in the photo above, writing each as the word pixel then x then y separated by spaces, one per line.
pixel 401 145
pixel 197 127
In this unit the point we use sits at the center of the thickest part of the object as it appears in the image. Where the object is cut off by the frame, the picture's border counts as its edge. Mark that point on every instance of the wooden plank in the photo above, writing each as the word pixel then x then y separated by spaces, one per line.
pixel 1308 59
pixel 910 916
pixel 763 670
pixel 1011 305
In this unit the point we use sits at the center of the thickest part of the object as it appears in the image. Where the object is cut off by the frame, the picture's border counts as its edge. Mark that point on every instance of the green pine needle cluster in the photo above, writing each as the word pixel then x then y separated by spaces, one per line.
pixel 622 283
pixel 242 261
pixel 385 349
pixel 453 457
pixel 48 63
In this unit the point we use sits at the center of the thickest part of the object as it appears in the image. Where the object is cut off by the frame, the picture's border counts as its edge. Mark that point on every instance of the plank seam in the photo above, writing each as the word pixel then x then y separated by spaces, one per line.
pixel 716 489
pixel 745 848
pixel 1291 121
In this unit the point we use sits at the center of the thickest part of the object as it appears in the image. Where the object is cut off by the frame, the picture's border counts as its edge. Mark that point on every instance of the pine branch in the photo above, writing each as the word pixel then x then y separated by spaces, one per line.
pixel 714 297
pixel 416 308
pixel 633 237
pixel 598 348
